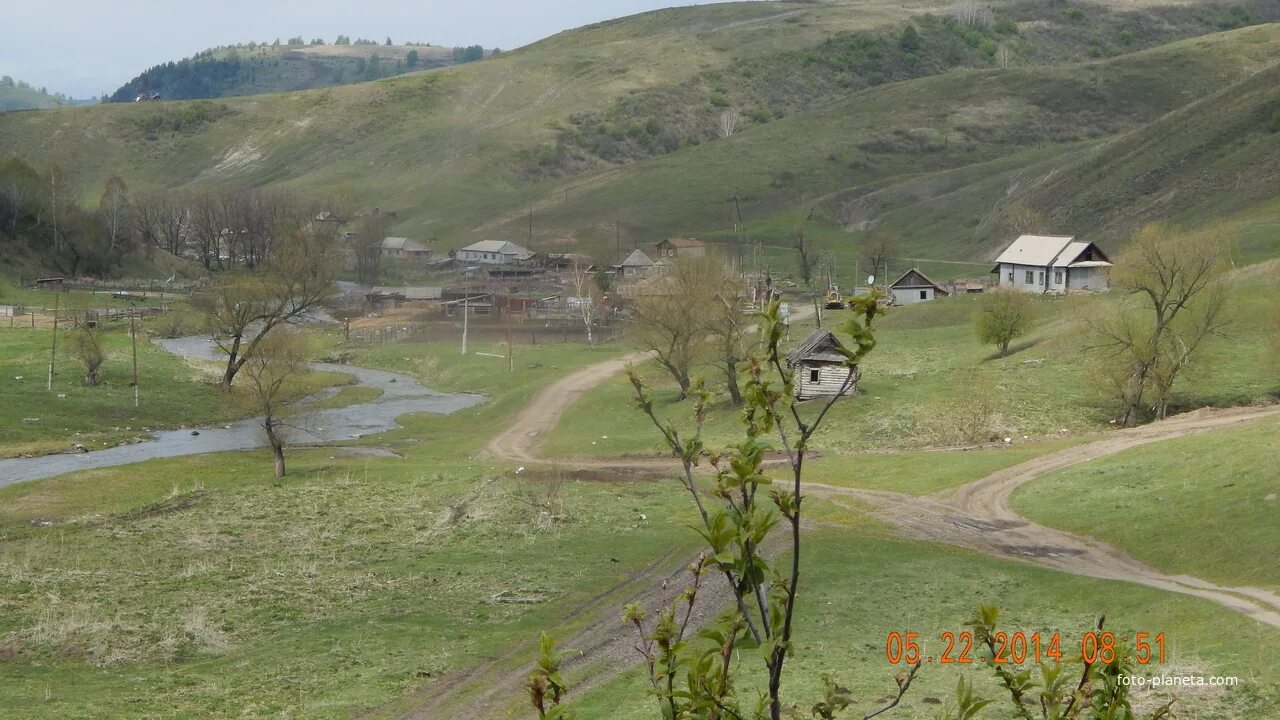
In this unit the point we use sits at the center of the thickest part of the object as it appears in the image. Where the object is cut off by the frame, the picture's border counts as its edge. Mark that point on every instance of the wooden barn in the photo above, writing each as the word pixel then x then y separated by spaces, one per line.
pixel 820 369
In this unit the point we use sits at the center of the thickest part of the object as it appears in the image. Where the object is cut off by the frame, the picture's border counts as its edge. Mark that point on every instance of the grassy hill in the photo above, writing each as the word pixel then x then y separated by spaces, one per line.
pixel 844 126
pixel 18 95
pixel 256 69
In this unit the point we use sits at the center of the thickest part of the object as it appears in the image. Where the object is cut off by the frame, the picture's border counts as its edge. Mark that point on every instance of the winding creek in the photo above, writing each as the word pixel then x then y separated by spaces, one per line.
pixel 401 395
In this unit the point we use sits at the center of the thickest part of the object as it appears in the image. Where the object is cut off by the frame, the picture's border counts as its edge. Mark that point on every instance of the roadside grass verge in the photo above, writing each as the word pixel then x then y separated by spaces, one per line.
pixel 1206 505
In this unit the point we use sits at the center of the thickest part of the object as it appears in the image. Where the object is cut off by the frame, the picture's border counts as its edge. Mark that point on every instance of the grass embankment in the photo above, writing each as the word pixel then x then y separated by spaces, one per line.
pixel 199 587
pixel 1206 505
pixel 930 383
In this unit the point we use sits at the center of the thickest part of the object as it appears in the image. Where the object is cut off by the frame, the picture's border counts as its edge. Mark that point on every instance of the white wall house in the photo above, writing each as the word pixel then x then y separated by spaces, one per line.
pixel 494 252
pixel 914 287
pixel 820 369
pixel 1052 264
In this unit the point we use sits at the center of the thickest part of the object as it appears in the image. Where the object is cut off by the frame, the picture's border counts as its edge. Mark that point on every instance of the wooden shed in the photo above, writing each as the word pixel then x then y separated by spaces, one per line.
pixel 820 369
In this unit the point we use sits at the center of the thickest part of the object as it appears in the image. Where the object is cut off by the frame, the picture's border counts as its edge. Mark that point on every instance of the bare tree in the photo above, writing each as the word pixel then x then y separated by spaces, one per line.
pixel 1020 219
pixel 368 247
pixel 587 298
pixel 115 210
pixel 969 12
pixel 296 278
pixel 89 350
pixel 878 250
pixel 727 326
pixel 1004 56
pixel 1177 302
pixel 728 124
pixel 808 266
pixel 273 377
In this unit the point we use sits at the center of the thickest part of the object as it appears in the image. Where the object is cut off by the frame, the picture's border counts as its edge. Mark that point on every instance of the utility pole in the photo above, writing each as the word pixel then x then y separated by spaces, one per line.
pixel 133 341
pixel 465 297
pixel 53 349
pixel 530 241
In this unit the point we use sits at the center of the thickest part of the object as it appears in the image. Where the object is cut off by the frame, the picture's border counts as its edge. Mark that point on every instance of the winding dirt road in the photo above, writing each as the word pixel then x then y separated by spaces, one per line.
pixel 977 516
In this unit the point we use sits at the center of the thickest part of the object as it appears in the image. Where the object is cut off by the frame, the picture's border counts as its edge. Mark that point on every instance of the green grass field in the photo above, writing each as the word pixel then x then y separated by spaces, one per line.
pixel 930 383
pixel 932 590
pixel 1173 504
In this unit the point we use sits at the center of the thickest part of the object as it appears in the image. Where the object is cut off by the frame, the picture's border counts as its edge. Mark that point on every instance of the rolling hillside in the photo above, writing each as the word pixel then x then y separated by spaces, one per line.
pixel 257 69
pixel 845 125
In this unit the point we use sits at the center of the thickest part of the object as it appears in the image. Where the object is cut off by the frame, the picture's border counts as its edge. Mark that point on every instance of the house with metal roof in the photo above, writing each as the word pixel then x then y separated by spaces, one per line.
pixel 821 367
pixel 915 287
pixel 494 252
pixel 1052 264
pixel 403 247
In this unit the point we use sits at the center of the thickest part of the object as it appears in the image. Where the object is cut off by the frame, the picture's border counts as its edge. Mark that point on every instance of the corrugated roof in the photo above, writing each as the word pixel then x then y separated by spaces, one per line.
pixel 399 243
pixel 1035 249
pixel 497 246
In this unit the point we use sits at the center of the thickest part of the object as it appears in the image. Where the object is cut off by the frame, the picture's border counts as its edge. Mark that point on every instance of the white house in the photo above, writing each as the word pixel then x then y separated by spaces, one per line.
pixel 915 287
pixel 1052 264
pixel 494 252
pixel 820 368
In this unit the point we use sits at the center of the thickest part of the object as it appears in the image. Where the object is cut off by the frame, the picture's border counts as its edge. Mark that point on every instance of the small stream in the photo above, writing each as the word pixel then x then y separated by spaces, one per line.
pixel 401 395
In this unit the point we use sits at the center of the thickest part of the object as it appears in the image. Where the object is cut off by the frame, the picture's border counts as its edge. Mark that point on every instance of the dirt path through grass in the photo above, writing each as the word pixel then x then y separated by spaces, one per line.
pixel 977 516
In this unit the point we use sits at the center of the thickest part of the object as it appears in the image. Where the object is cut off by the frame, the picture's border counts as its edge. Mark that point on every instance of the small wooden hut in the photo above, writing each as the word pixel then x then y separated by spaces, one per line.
pixel 820 367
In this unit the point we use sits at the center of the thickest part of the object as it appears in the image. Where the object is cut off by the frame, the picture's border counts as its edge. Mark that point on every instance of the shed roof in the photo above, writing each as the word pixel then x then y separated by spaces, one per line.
pixel 820 346
pixel 409 293
pixel 913 278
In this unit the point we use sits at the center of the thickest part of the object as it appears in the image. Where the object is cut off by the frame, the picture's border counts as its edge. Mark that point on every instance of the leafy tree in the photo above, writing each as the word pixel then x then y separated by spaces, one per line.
pixel 909 41
pixel 342 40
pixel 468 54
pixel 388 41
pixel 273 377
pixel 1004 315
pixel 296 279
pixel 693 676
pixel 668 316
pixel 1177 301
pixel 411 60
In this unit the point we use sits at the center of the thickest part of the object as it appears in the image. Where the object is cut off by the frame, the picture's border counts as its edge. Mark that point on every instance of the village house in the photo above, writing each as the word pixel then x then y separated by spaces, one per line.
pixel 679 247
pixel 399 247
pixel 1052 264
pixel 820 369
pixel 494 252
pixel 636 265
pixel 915 287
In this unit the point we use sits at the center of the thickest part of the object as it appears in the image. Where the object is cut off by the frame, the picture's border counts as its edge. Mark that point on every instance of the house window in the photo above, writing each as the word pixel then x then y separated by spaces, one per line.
pixel 1057 277
pixel 1031 277
pixel 924 294
pixel 813 376
pixel 1041 282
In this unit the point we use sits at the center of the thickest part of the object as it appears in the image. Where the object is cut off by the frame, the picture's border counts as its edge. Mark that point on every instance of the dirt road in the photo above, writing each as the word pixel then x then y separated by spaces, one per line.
pixel 976 516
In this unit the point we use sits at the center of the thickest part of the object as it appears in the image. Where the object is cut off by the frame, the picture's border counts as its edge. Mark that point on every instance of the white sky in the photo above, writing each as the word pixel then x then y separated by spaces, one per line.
pixel 86 47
